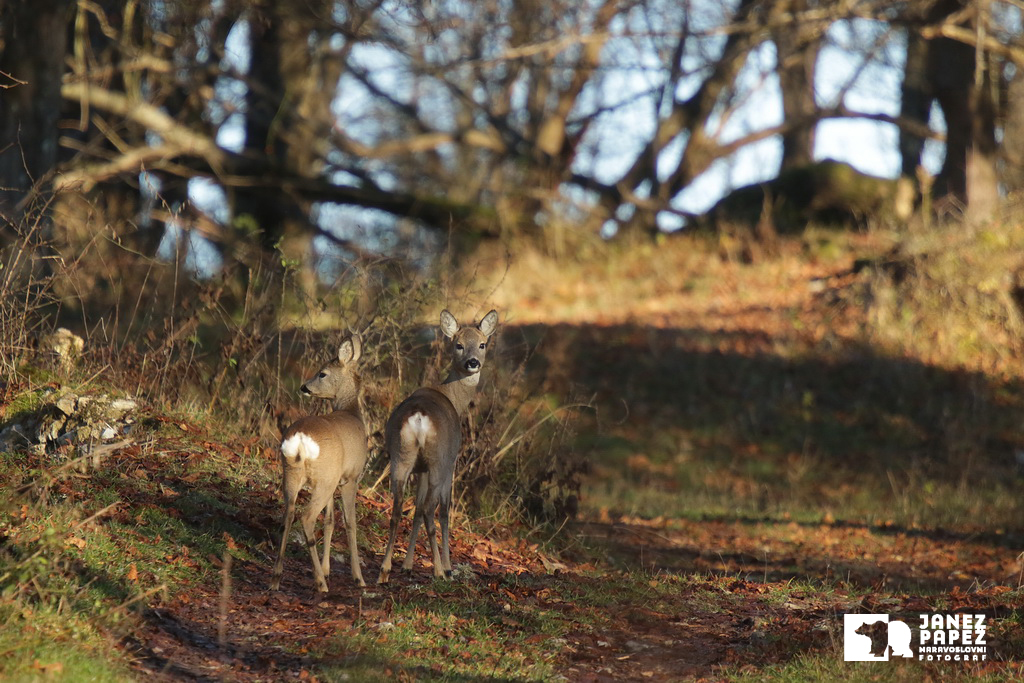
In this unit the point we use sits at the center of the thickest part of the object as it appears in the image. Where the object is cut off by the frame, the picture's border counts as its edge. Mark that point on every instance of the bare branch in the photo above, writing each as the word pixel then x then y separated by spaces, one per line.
pixel 420 143
pixel 15 84
pixel 85 178
pixel 547 48
pixel 186 140
pixel 970 37
pixel 839 112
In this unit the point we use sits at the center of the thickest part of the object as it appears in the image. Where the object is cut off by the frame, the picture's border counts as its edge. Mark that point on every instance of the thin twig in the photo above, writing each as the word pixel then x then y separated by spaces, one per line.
pixel 225 599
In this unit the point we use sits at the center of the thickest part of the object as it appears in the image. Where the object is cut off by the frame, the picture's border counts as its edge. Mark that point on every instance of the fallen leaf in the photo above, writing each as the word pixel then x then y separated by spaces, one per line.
pixel 48 669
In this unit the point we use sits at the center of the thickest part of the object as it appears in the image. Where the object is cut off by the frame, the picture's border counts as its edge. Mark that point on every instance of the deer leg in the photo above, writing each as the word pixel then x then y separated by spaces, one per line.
pixel 445 508
pixel 289 515
pixel 322 498
pixel 417 519
pixel 428 522
pixel 328 533
pixel 398 478
pixel 348 506
pixel 385 565
pixel 308 527
pixel 292 481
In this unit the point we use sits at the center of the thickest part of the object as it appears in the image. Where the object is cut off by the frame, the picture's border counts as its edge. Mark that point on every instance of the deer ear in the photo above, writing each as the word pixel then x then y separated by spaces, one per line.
pixel 357 348
pixel 489 323
pixel 449 325
pixel 346 352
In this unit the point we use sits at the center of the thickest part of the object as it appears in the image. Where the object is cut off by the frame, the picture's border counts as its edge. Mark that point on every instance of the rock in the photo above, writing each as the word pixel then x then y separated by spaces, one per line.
pixel 636 646
pixel 13 437
pixel 65 345
pixel 67 404
pixel 86 424
pixel 463 571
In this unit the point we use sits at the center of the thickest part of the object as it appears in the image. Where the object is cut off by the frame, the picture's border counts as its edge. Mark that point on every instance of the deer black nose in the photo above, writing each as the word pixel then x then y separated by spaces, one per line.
pixel 472 364
pixel 305 390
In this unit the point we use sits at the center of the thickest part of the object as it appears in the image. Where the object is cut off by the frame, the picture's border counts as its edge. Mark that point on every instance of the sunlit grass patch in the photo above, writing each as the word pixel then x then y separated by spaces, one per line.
pixel 443 638
pixel 43 643
pixel 60 612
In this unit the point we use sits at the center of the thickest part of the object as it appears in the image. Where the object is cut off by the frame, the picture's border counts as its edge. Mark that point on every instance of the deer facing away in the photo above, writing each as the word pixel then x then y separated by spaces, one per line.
pixel 423 436
pixel 325 451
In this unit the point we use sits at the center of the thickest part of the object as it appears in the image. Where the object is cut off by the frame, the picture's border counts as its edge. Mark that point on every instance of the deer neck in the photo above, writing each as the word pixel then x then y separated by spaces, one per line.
pixel 460 389
pixel 347 406
pixel 348 402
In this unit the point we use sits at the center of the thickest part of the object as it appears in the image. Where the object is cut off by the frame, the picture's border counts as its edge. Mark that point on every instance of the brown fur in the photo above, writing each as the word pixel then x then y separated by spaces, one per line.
pixel 341 441
pixel 423 436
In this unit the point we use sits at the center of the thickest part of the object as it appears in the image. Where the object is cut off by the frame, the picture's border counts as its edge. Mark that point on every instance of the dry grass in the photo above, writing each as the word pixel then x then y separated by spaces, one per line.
pixel 230 349
pixel 873 375
pixel 840 385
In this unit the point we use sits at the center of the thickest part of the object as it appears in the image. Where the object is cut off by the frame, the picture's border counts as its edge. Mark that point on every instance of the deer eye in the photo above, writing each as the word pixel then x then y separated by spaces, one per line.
pixel 322 375
pixel 483 346
pixel 459 347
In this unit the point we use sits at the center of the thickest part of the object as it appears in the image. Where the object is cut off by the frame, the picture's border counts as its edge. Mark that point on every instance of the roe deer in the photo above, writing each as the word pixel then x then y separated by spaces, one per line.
pixel 424 436
pixel 325 451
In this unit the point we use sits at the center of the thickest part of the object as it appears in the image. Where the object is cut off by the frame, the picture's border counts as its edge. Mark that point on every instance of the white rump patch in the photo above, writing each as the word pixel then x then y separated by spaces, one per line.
pixel 417 427
pixel 300 446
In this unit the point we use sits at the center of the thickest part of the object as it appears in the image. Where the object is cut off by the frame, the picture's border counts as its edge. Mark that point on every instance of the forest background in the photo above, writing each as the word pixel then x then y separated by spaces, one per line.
pixel 758 269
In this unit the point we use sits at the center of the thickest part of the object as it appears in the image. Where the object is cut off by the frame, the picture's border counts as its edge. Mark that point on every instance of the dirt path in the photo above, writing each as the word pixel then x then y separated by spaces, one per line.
pixel 271 636
pixel 700 596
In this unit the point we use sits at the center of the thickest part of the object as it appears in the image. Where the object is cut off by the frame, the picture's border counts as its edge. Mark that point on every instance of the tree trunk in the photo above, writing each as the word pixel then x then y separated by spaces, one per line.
pixel 797 55
pixel 951 72
pixel 981 167
pixel 282 114
pixel 961 85
pixel 33 36
pixel 1012 149
pixel 916 101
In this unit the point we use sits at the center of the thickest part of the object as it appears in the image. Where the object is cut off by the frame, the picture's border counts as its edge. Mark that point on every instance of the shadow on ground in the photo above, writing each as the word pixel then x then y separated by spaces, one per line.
pixel 929 452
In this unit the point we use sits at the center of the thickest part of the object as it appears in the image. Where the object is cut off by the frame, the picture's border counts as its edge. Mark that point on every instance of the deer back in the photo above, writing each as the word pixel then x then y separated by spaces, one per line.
pixel 427 427
pixel 334 444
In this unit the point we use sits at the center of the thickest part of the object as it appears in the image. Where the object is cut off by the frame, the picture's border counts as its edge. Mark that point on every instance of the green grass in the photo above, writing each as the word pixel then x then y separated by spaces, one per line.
pixel 434 639
pixel 890 394
pixel 805 489
pixel 62 609
pixel 813 668
pixel 77 562
pixel 47 644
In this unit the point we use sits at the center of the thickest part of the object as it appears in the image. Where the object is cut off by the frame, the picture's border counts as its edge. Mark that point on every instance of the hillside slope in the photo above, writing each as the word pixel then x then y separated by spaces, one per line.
pixel 766 446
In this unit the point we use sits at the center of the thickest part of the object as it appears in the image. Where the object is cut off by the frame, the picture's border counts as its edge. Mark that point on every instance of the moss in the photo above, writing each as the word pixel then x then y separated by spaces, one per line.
pixel 22 404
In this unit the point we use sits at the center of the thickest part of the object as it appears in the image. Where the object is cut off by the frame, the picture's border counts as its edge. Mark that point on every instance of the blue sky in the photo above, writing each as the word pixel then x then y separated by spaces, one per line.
pixel 870 146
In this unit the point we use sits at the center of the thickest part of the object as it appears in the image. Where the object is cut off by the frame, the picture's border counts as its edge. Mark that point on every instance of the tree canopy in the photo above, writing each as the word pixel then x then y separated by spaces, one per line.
pixel 359 120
